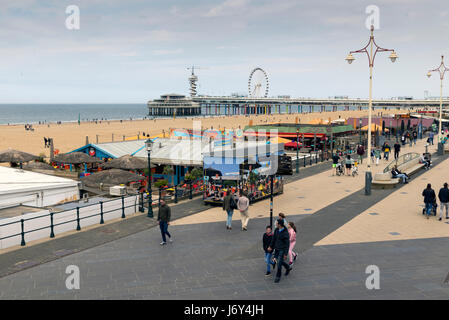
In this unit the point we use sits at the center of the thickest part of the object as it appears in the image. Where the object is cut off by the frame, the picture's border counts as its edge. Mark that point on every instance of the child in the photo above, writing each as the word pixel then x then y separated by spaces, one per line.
pixel 292 232
pixel 266 240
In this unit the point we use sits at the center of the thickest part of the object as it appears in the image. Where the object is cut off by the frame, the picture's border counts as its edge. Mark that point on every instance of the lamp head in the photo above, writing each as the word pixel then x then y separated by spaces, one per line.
pixel 429 74
pixel 393 57
pixel 350 58
pixel 149 144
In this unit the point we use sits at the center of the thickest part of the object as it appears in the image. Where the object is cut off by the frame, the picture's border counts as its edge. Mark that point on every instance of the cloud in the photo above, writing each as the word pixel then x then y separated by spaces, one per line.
pixel 228 7
pixel 163 52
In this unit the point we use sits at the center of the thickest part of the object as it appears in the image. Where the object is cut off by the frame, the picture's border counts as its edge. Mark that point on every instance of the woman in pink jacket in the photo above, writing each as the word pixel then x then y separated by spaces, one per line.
pixel 292 232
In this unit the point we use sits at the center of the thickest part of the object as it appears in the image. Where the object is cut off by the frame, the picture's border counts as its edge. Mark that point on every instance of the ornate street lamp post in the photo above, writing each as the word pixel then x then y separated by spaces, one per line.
pixel 442 71
pixel 149 145
pixel 297 150
pixel 371 56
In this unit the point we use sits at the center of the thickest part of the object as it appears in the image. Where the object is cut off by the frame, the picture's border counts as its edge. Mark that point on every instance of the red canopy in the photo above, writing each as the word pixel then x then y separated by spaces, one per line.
pixel 293 144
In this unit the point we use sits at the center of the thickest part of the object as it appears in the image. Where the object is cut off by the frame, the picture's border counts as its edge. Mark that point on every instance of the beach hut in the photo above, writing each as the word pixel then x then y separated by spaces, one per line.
pixel 111 177
pixel 127 162
pixel 16 156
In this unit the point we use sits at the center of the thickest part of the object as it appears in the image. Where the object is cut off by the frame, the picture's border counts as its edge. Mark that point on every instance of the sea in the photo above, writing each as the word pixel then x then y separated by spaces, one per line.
pixel 51 113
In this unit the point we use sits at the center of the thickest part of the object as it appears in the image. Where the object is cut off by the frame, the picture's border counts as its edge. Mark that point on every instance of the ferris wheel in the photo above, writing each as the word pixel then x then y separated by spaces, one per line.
pixel 258 84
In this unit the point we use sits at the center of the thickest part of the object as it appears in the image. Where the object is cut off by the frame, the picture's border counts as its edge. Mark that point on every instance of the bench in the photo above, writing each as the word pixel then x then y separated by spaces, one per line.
pixel 384 180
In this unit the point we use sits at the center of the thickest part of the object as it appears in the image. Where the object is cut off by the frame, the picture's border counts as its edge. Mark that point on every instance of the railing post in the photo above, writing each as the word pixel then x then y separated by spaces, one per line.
pixel 52 233
pixel 23 233
pixel 101 213
pixel 123 207
pixel 78 226
pixel 190 193
pixel 176 194
pixel 310 154
pixel 304 158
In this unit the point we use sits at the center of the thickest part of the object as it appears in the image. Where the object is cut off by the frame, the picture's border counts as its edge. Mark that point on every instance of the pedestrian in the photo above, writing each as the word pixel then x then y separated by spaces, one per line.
pixel 229 205
pixel 403 139
pixel 377 156
pixel 242 205
pixel 164 216
pixel 443 195
pixel 397 149
pixel 348 164
pixel 281 216
pixel 361 152
pixel 266 241
pixel 45 142
pixel 335 160
pixel 431 135
pixel 386 149
pixel 280 243
pixel 292 236
pixel 429 199
pixel 415 136
pixel 409 137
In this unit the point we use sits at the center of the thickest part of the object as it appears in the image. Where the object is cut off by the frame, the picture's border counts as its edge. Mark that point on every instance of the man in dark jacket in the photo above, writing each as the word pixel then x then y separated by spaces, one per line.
pixel 164 216
pixel 397 149
pixel 229 206
pixel 360 152
pixel 443 195
pixel 266 241
pixel 280 244
pixel 429 199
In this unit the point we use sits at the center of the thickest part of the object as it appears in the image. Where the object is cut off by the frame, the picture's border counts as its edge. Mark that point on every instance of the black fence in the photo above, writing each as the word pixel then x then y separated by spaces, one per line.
pixel 77 219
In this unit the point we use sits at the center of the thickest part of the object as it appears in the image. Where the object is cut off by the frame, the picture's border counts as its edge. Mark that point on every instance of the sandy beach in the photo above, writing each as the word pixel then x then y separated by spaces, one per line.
pixel 69 136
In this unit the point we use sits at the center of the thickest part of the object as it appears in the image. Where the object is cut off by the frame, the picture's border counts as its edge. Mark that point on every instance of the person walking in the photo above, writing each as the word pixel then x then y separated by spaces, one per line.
pixel 409 137
pixel 386 149
pixel 397 149
pixel 403 139
pixel 292 234
pixel 335 160
pixel 429 199
pixel 415 136
pixel 229 205
pixel 443 196
pixel 45 142
pixel 164 216
pixel 431 135
pixel 361 152
pixel 280 243
pixel 266 241
pixel 377 156
pixel 348 164
pixel 242 205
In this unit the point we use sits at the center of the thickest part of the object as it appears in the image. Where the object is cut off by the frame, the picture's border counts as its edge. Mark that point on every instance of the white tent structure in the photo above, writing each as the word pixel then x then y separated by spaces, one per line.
pixel 20 187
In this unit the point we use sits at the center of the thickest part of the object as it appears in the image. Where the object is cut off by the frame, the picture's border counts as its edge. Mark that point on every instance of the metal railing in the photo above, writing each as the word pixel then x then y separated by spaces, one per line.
pixel 78 219
pixel 402 160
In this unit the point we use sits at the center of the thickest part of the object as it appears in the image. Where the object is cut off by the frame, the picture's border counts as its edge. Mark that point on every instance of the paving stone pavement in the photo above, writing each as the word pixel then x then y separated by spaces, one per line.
pixel 206 261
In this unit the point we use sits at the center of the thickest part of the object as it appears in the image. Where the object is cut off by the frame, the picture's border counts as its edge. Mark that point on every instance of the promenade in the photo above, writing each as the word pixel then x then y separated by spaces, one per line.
pixel 340 232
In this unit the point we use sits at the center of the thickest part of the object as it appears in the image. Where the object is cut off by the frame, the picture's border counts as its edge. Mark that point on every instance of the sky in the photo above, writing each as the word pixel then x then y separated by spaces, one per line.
pixel 136 50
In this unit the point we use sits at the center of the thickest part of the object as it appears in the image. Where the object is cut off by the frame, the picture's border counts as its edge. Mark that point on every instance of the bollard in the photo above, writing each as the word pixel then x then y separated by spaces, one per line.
pixel 23 233
pixel 310 158
pixel 123 207
pixel 78 226
pixel 141 205
pixel 52 233
pixel 101 213
pixel 304 157
pixel 368 180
